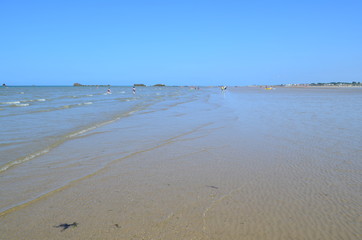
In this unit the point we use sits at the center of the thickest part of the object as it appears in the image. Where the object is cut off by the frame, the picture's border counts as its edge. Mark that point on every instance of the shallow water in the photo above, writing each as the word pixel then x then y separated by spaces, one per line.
pixel 31 134
pixel 243 164
pixel 36 119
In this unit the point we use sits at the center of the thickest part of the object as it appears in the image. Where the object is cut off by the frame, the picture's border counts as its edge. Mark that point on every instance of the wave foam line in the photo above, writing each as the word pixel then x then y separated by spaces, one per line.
pixel 34 100
pixel 24 159
pixel 10 103
pixel 77 133
pixel 22 105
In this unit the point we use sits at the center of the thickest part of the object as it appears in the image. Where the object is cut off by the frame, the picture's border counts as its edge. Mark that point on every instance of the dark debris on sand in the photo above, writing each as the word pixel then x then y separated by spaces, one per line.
pixel 65 226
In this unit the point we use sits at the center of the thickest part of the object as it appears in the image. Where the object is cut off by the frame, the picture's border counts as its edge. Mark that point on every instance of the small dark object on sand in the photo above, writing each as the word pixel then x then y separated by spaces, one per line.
pixel 66 226
pixel 212 187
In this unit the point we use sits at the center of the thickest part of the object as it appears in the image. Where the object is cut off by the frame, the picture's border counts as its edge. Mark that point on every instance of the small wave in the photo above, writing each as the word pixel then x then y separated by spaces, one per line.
pixel 81 96
pixel 123 99
pixel 33 100
pixel 25 159
pixel 49 109
pixel 77 133
pixel 22 105
pixel 14 102
pixel 80 132
pixel 71 106
pixel 65 107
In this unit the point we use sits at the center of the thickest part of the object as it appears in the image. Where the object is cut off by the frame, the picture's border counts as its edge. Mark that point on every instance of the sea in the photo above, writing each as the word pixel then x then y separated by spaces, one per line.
pixel 296 152
pixel 35 120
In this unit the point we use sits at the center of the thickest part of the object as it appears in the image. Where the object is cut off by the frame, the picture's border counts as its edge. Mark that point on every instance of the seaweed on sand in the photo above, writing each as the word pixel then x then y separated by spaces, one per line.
pixel 65 226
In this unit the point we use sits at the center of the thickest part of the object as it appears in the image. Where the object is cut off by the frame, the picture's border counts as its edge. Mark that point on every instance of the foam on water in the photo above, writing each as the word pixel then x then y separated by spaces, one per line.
pixel 24 159
pixel 22 105
pixel 10 103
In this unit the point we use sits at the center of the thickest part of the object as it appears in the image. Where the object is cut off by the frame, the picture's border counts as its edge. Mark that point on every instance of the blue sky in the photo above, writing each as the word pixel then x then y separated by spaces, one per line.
pixel 180 42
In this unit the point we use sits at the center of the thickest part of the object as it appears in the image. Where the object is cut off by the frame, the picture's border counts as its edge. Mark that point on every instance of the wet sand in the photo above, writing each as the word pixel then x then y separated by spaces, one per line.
pixel 214 177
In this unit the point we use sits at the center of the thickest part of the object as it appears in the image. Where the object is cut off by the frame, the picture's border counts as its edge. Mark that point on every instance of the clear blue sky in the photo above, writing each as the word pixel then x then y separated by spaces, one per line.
pixel 179 42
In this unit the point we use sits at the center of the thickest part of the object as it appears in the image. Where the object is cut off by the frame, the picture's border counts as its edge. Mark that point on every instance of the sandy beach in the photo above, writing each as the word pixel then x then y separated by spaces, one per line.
pixel 233 165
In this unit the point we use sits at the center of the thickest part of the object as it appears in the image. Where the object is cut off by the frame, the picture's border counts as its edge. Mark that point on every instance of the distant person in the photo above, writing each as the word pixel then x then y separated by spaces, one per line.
pixel 109 91
pixel 134 90
pixel 4 85
pixel 223 88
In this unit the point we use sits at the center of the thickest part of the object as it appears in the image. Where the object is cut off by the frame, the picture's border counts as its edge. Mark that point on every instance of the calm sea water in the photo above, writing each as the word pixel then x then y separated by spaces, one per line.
pixel 34 120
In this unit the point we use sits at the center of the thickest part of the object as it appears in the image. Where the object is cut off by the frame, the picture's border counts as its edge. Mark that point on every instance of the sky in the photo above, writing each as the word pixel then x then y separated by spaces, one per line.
pixel 180 42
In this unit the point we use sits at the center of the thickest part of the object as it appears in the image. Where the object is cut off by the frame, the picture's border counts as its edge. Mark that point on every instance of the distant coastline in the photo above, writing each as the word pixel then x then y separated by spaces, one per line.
pixel 329 85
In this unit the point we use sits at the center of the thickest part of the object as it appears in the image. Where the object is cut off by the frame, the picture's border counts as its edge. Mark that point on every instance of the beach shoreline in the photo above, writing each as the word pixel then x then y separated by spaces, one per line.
pixel 221 174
